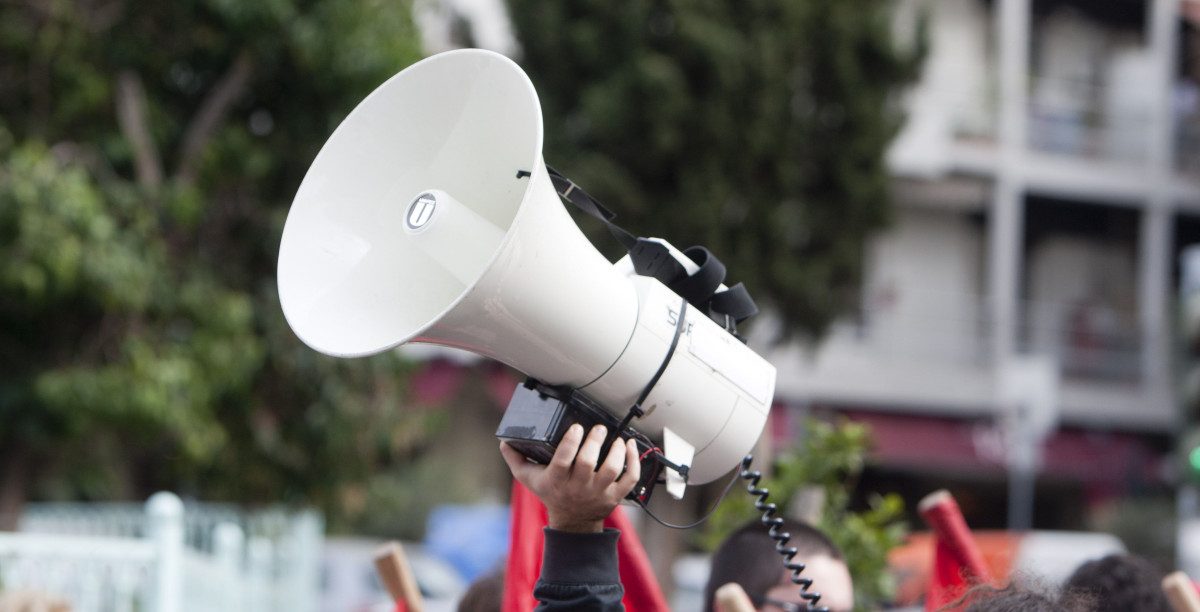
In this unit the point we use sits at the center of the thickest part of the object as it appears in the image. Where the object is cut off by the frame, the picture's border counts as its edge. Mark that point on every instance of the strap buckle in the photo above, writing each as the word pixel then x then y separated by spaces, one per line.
pixel 570 187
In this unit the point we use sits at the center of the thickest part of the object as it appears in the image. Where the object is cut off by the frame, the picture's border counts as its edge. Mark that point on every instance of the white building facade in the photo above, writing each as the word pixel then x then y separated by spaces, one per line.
pixel 1045 182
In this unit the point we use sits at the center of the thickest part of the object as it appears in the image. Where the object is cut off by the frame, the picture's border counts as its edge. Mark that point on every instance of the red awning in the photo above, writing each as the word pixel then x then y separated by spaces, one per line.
pixel 960 445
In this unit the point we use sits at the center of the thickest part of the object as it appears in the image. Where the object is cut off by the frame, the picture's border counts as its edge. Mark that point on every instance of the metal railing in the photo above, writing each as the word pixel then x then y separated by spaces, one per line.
pixel 1079 118
pixel 165 556
pixel 1187 131
pixel 1090 341
pixel 926 326
pixel 90 572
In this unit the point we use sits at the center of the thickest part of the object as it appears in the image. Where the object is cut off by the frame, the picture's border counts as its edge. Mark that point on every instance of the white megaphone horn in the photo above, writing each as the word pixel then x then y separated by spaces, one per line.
pixel 429 216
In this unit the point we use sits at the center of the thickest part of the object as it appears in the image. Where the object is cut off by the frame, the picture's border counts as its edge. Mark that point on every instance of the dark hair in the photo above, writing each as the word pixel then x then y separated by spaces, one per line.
pixel 484 594
pixel 1012 599
pixel 748 558
pixel 1121 582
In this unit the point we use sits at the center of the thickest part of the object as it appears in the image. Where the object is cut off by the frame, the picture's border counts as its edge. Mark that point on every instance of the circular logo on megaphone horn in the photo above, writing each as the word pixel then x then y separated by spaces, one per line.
pixel 420 212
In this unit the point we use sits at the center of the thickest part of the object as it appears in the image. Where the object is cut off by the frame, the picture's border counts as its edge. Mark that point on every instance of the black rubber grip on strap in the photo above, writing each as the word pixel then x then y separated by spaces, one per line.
pixel 698 287
pixel 734 302
pixel 652 258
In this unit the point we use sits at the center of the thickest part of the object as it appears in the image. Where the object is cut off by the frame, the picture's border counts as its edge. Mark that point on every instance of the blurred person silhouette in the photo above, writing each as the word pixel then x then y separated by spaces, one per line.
pixel 748 558
pixel 1121 582
pixel 1016 599
pixel 484 594
pixel 579 557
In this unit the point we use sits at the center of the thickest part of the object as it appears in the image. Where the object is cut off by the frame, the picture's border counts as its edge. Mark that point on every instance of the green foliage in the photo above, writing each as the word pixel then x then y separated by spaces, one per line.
pixel 148 152
pixel 829 460
pixel 1147 525
pixel 756 128
pixel 100 331
pixel 400 513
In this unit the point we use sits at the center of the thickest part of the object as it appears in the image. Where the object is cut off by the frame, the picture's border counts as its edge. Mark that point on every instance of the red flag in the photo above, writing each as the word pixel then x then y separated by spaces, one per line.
pixel 524 550
pixel 642 593
pixel 957 561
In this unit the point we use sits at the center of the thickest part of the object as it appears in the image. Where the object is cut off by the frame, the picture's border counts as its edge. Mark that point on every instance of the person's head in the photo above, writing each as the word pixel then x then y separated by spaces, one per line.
pixel 748 558
pixel 1015 599
pixel 1121 582
pixel 484 594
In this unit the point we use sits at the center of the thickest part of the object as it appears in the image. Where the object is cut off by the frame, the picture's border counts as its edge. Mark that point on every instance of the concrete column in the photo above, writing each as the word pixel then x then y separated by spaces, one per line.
pixel 1004 262
pixel 1155 243
pixel 1005 223
pixel 1154 289
pixel 1162 25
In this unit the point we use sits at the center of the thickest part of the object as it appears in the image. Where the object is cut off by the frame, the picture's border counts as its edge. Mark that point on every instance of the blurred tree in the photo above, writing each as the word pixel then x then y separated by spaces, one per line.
pixel 813 483
pixel 148 151
pixel 755 128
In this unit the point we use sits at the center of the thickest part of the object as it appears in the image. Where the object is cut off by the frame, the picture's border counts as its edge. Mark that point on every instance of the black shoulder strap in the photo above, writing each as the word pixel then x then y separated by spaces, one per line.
pixel 569 191
pixel 651 258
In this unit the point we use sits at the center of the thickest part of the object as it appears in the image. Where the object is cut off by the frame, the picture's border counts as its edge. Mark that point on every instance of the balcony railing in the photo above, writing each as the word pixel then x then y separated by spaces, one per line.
pixel 1187 128
pixel 1090 341
pixel 916 326
pixel 1083 118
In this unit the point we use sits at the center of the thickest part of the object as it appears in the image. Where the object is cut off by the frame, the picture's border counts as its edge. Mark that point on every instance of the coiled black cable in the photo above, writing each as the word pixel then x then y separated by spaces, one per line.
pixel 781 537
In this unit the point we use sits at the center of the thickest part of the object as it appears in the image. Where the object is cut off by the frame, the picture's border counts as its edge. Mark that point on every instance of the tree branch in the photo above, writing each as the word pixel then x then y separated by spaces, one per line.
pixel 131 115
pixel 212 113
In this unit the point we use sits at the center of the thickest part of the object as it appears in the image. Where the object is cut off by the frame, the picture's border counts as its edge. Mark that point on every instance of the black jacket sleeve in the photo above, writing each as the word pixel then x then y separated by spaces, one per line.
pixel 579 572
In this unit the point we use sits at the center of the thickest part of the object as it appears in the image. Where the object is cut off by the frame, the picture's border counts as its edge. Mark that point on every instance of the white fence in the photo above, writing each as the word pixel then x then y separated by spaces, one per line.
pixel 165 556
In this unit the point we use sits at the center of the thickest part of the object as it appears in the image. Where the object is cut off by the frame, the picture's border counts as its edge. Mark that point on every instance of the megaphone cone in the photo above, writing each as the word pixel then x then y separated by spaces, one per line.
pixel 495 253
pixel 429 216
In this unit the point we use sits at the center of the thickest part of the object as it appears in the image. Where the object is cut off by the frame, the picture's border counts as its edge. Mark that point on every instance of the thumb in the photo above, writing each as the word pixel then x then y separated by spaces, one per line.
pixel 522 469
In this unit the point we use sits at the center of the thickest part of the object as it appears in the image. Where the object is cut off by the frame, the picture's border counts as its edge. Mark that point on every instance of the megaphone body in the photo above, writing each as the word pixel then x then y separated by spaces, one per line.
pixel 429 216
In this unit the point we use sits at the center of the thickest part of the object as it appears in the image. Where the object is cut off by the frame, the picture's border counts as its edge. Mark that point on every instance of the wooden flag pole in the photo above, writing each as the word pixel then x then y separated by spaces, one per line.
pixel 397 576
pixel 1181 593
pixel 732 598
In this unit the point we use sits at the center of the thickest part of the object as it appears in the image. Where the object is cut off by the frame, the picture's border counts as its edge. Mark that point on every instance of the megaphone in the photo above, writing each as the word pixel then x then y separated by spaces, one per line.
pixel 430 216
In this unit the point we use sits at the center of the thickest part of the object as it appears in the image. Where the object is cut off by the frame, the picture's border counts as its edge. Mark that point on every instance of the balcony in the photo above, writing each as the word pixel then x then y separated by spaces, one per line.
pixel 1091 341
pixel 932 356
pixel 925 353
pixel 1090 120
pixel 1091 99
pixel 1187 128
